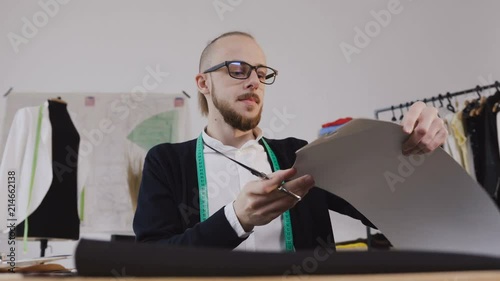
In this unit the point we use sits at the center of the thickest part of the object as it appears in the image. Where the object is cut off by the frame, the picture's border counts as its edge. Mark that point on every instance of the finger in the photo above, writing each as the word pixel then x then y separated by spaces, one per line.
pixel 276 201
pixel 278 207
pixel 424 123
pixel 411 117
pixel 416 150
pixel 275 180
pixel 300 186
pixel 269 206
pixel 427 140
pixel 435 142
pixel 266 201
pixel 438 140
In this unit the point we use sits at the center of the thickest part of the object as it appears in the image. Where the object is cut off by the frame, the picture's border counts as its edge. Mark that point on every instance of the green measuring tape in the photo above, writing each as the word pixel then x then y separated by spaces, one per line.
pixel 202 179
pixel 33 173
pixel 203 198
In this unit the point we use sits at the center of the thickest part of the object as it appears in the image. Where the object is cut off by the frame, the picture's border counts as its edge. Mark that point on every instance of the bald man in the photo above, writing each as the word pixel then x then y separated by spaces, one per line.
pixel 230 187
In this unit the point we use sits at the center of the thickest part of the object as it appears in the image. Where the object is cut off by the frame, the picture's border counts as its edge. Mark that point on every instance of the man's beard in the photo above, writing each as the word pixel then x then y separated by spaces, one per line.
pixel 233 118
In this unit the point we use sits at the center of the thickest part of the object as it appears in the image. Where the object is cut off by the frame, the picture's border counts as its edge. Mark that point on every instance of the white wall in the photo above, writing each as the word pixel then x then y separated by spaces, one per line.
pixel 105 46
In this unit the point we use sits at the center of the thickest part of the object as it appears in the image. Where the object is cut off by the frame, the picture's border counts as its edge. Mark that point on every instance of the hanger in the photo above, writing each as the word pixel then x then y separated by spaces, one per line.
pixel 408 105
pixel 401 110
pixel 468 107
pixel 440 98
pixel 393 116
pixel 58 99
pixel 472 104
pixel 482 104
pixel 496 106
pixel 433 99
pixel 477 104
pixel 450 106
pixel 478 91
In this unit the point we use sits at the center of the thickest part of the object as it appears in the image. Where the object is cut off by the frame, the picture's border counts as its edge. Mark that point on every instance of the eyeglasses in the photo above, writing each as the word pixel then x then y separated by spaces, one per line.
pixel 242 70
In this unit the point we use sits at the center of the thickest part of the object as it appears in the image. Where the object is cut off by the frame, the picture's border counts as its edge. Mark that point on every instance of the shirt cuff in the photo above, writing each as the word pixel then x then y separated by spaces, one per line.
pixel 234 222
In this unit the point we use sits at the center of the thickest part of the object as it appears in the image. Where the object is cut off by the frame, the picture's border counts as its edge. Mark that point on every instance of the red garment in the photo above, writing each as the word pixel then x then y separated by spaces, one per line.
pixel 337 122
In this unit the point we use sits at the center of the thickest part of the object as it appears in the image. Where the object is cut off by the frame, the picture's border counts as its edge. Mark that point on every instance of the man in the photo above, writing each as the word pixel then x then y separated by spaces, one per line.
pixel 182 199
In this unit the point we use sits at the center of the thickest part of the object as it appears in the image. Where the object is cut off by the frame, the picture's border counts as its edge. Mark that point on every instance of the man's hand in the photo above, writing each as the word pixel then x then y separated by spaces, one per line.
pixel 427 131
pixel 260 202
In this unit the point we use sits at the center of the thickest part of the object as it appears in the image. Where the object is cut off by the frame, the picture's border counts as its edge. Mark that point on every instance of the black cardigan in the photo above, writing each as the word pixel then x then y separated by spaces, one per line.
pixel 168 206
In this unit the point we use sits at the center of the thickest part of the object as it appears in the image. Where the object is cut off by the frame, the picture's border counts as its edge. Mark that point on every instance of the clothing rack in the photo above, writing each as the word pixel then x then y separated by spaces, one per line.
pixel 439 98
pixel 478 89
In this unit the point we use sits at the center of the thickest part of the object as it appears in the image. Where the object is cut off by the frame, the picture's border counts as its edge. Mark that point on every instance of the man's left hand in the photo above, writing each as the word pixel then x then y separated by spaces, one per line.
pixel 427 131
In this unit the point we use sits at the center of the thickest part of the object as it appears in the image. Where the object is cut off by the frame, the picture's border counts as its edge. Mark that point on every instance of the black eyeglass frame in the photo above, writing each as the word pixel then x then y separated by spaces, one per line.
pixel 252 68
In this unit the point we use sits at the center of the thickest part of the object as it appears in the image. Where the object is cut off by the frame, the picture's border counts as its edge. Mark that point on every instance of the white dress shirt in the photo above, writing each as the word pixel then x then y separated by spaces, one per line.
pixel 225 180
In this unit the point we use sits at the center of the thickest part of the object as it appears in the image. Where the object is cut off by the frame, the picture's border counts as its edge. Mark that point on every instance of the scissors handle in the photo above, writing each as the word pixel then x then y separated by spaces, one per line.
pixel 288 192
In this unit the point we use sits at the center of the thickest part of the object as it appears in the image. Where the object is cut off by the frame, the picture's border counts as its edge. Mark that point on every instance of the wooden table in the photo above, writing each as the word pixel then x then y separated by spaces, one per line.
pixel 444 276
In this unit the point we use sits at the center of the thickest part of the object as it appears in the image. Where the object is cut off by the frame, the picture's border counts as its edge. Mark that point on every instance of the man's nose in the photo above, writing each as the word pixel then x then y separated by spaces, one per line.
pixel 252 81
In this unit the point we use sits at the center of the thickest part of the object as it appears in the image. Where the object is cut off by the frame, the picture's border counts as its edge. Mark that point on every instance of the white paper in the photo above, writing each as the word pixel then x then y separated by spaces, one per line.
pixel 420 202
pixel 30 262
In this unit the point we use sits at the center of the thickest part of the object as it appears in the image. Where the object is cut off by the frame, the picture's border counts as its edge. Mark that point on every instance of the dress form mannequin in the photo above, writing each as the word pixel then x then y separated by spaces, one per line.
pixel 57 215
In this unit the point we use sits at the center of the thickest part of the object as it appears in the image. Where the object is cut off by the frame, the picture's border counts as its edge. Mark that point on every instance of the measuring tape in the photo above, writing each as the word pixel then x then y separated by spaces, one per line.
pixel 202 186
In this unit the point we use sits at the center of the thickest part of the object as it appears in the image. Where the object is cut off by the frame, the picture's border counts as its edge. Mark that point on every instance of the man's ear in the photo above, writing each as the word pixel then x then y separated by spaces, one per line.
pixel 202 83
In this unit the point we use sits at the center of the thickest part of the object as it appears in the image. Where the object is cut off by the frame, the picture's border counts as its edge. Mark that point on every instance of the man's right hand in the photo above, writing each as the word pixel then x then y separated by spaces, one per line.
pixel 260 202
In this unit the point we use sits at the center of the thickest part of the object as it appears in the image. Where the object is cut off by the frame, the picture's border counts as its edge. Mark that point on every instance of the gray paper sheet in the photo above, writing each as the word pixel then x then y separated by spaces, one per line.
pixel 420 202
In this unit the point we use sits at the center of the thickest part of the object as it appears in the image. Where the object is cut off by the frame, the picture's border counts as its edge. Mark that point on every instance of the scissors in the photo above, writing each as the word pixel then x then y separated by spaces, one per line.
pixel 281 188
pixel 258 174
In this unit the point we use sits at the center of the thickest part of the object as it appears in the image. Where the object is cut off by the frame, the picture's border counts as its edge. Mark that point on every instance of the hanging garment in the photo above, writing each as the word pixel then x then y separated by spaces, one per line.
pixel 337 122
pixel 498 130
pixel 332 127
pixel 329 130
pixel 482 134
pixel 494 154
pixel 57 215
pixel 457 129
pixel 28 152
pixel 451 144
pixel 493 107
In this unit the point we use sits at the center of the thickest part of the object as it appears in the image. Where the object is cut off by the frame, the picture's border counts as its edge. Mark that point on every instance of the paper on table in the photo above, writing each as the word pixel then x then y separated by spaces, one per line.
pixel 35 261
pixel 420 202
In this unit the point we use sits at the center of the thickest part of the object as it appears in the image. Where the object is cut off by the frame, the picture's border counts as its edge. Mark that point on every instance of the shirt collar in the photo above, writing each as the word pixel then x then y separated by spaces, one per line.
pixel 215 143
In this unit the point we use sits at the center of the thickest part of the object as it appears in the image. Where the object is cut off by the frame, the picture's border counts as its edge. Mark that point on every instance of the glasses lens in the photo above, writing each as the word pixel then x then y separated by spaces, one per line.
pixel 239 70
pixel 266 75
